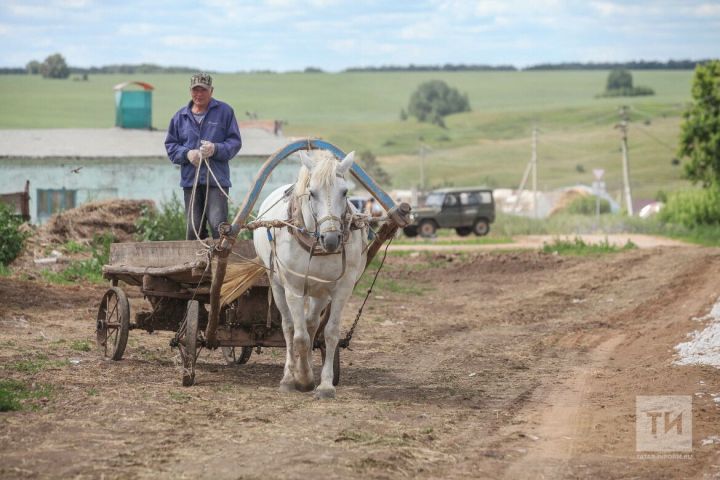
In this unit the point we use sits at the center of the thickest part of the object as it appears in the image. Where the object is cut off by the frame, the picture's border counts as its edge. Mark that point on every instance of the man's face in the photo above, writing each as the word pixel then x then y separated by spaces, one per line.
pixel 201 96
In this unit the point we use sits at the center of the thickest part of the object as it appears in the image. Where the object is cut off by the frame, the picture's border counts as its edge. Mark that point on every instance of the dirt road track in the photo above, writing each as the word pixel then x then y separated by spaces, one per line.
pixel 474 365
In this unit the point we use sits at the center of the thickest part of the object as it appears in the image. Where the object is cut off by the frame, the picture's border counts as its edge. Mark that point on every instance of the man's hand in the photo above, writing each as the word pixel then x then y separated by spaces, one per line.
pixel 207 148
pixel 194 157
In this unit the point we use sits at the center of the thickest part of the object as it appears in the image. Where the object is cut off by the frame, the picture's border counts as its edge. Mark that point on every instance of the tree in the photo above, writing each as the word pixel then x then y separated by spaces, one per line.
pixel 619 79
pixel 369 163
pixel 33 67
pixel 700 131
pixel 434 99
pixel 54 66
pixel 620 84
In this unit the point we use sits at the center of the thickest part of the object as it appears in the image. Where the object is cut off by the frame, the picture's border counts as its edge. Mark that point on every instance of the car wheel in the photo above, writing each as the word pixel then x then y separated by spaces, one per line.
pixel 427 228
pixel 410 231
pixel 463 231
pixel 481 227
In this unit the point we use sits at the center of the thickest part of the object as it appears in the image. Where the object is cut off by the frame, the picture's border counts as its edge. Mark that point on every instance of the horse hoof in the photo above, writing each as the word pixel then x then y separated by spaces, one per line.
pixel 309 387
pixel 325 394
pixel 287 387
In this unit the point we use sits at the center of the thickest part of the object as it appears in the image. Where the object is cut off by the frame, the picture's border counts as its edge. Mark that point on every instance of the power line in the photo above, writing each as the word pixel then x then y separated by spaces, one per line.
pixel 641 129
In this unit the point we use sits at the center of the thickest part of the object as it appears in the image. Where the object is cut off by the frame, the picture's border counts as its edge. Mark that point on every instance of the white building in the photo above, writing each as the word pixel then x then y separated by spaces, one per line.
pixel 68 167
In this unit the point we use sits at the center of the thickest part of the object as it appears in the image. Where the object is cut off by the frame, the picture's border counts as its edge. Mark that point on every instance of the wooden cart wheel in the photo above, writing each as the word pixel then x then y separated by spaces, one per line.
pixel 113 323
pixel 232 359
pixel 336 363
pixel 188 343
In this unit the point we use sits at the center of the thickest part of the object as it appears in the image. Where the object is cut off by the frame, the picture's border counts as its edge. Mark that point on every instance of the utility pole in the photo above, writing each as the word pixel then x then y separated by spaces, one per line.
pixel 530 169
pixel 623 126
pixel 534 172
pixel 423 151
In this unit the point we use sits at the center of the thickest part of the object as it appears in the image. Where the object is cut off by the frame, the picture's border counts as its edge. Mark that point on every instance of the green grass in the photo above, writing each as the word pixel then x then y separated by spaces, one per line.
pixel 36 364
pixel 72 246
pixel 5 270
pixel 81 346
pixel 489 145
pixel 579 248
pixel 16 395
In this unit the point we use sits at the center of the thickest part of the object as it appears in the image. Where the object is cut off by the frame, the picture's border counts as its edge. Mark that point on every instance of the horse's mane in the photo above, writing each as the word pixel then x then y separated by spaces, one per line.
pixel 324 171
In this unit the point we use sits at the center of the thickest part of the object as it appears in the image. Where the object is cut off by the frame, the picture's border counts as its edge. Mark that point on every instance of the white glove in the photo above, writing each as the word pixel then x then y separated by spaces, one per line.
pixel 207 148
pixel 194 157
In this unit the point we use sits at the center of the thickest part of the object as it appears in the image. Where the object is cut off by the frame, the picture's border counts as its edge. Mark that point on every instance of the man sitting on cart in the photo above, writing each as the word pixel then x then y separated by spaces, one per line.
pixel 202 138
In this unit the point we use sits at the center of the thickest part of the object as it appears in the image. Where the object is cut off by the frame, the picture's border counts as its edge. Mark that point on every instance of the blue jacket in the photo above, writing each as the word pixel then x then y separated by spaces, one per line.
pixel 184 134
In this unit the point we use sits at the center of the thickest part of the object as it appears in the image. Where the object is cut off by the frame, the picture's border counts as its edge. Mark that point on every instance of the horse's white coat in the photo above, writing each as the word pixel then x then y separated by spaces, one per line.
pixel 322 191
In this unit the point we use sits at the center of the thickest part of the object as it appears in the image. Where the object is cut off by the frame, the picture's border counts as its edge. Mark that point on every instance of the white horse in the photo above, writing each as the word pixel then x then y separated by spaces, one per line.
pixel 303 283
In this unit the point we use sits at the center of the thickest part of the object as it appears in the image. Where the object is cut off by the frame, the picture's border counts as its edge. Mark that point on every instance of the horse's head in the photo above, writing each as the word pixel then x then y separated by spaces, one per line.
pixel 326 189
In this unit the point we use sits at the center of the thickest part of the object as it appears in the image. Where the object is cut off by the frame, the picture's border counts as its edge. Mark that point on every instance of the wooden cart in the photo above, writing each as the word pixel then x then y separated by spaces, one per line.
pixel 181 278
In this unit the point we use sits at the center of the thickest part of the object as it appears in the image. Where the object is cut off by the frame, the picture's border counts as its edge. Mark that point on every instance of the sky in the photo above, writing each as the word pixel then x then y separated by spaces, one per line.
pixel 285 35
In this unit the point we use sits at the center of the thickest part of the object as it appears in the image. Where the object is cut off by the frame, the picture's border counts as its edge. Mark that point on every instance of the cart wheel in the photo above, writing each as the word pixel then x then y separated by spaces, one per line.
pixel 188 343
pixel 232 359
pixel 113 323
pixel 336 363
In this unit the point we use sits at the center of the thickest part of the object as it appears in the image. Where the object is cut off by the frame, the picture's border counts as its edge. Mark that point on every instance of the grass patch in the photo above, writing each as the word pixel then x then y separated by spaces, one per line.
pixel 180 397
pixel 89 270
pixel 81 346
pixel 16 395
pixel 34 365
pixel 579 247
pixel 92 392
pixel 5 270
pixel 71 246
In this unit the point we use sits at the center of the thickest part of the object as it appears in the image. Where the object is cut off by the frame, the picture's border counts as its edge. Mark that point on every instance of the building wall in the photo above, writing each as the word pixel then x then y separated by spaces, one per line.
pixel 130 178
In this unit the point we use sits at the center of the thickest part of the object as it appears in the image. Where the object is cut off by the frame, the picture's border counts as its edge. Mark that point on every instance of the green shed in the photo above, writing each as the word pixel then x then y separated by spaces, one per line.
pixel 133 105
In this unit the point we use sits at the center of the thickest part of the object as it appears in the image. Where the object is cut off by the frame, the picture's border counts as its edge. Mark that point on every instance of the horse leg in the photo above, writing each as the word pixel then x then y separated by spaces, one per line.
pixel 313 321
pixel 301 343
pixel 287 384
pixel 326 389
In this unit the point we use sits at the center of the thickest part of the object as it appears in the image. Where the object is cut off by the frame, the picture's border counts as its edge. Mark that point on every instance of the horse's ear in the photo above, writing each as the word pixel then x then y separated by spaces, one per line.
pixel 306 160
pixel 346 163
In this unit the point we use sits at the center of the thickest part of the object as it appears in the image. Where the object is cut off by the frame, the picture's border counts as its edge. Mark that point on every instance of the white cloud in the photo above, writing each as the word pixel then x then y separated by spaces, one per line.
pixel 190 42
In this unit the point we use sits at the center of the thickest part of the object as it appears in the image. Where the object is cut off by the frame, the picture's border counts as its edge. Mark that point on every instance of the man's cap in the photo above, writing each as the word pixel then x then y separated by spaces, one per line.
pixel 201 80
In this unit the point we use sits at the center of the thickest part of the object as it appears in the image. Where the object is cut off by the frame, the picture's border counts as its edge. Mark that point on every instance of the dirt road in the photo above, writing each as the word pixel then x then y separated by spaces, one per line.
pixel 473 365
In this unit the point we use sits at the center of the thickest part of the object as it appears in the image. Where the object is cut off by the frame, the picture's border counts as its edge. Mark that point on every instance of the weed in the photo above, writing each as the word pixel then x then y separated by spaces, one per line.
pixel 71 246
pixel 166 224
pixel 92 392
pixel 81 346
pixel 14 395
pixel 88 270
pixel 5 270
pixel 579 247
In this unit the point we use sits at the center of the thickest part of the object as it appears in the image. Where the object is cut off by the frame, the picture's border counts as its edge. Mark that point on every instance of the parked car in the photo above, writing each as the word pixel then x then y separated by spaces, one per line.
pixel 467 210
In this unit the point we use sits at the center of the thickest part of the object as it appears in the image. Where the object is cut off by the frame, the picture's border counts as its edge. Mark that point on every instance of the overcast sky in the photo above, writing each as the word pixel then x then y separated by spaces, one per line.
pixel 227 36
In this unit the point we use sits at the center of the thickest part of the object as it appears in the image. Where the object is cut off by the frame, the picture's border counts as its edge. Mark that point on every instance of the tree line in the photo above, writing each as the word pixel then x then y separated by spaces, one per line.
pixel 57 67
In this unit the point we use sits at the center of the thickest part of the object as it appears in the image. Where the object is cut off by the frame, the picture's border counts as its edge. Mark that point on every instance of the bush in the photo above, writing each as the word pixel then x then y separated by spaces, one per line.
pixel 692 208
pixel 435 99
pixel 11 238
pixel 167 224
pixel 586 205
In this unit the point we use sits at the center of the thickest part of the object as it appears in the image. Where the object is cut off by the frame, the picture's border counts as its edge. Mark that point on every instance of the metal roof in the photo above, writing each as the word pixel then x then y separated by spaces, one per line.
pixel 115 142
pixel 145 86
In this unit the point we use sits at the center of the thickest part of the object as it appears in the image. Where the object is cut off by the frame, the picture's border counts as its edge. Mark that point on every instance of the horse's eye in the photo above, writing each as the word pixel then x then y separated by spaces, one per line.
pixel 344 192
pixel 312 194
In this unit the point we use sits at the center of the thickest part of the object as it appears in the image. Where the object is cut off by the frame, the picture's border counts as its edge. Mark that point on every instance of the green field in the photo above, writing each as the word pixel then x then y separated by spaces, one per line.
pixel 490 145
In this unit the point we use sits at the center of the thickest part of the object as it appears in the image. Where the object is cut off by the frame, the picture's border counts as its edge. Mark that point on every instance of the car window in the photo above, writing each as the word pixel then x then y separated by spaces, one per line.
pixel 434 200
pixel 485 197
pixel 469 198
pixel 451 201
